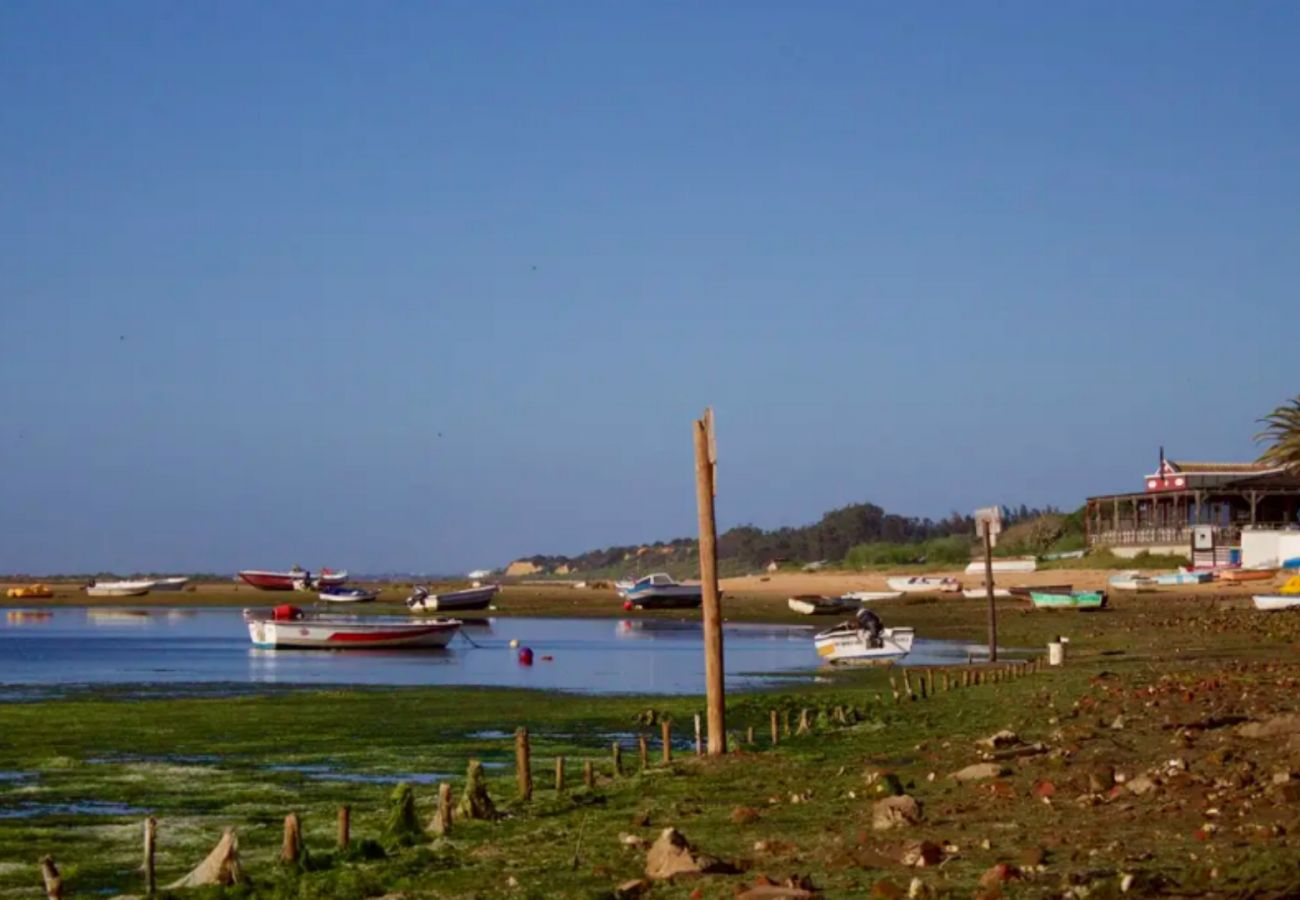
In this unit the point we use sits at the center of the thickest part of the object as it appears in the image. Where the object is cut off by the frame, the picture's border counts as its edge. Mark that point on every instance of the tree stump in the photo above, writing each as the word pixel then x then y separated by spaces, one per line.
pixel 475 802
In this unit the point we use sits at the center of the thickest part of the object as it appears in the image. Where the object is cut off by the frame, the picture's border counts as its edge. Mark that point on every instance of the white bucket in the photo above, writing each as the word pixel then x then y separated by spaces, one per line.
pixel 1056 653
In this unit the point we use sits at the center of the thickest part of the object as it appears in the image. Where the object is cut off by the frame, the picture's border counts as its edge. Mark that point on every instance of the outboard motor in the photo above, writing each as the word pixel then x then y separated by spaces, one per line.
pixel 417 597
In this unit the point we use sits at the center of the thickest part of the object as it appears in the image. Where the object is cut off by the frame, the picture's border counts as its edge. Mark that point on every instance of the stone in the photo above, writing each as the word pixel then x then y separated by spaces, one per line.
pixel 1101 778
pixel 1277 726
pixel 1141 785
pixel 920 854
pixel 672 855
pixel 895 812
pixel 631 889
pixel 1004 738
pixel 999 874
pixel 633 841
pixel 1044 789
pixel 981 771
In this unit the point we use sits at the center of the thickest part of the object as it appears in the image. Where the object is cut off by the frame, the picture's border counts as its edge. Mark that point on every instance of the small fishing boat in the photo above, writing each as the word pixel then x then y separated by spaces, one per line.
pixel 847 644
pixel 347 595
pixel 477 597
pixel 30 592
pixel 1074 600
pixel 924 584
pixel 815 605
pixel 293 580
pixel 869 596
pixel 1235 575
pixel 1132 581
pixel 1025 590
pixel 1167 579
pixel 1004 566
pixel 176 583
pixel 977 593
pixel 289 627
pixel 118 588
pixel 1276 602
pixel 662 591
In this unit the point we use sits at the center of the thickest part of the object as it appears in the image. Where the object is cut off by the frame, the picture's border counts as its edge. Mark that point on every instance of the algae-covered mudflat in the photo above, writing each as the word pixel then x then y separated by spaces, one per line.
pixel 1135 765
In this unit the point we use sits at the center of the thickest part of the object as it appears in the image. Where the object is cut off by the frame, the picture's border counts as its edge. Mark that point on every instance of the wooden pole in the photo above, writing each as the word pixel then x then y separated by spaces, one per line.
pixel 291 848
pixel 444 808
pixel 588 774
pixel 666 735
pixel 345 820
pixel 699 743
pixel 988 586
pixel 643 750
pixel 53 880
pixel 706 460
pixel 617 752
pixel 749 735
pixel 150 837
pixel 559 774
pixel 523 764
pixel 776 728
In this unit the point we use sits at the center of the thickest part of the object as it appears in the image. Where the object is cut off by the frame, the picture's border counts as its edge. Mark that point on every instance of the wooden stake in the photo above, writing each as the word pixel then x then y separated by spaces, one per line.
pixel 559 774
pixel 749 735
pixel 785 723
pixel 907 685
pixel 947 684
pixel 345 820
pixel 617 752
pixel 929 682
pixel 442 821
pixel 893 686
pixel 53 880
pixel 291 848
pixel 666 736
pixel 699 741
pixel 150 837
pixel 523 764
pixel 776 737
pixel 588 774
pixel 988 584
pixel 804 725
pixel 706 460
pixel 643 750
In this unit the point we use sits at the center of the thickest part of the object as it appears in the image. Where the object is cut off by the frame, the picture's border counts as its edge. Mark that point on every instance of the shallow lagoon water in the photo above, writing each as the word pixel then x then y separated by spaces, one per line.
pixel 125 646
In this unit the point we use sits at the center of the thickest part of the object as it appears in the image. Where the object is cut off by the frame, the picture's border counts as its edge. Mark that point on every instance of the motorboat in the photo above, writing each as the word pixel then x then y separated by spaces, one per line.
pixel 1025 591
pixel 1132 581
pixel 1070 600
pixel 924 584
pixel 288 626
pixel 347 595
pixel 1276 602
pixel 662 591
pixel 1004 566
pixel 295 579
pixel 872 596
pixel 477 597
pixel 176 583
pixel 1235 575
pixel 1168 579
pixel 118 588
pixel 30 592
pixel 816 605
pixel 848 644
pixel 979 592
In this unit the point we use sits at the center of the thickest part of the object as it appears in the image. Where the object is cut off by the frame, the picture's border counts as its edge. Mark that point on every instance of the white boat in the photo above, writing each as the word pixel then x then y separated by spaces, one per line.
pixel 1004 566
pixel 924 584
pixel 177 583
pixel 348 595
pixel 662 591
pixel 289 627
pixel 1179 578
pixel 982 593
pixel 622 586
pixel 477 597
pixel 118 588
pixel 846 643
pixel 870 596
pixel 1275 602
pixel 814 605
pixel 1132 581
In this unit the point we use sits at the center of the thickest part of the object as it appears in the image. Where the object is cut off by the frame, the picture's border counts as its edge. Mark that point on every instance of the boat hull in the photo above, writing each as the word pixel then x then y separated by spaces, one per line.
pixel 348 595
pixel 871 596
pixel 1276 602
pixel 119 589
pixel 675 596
pixel 977 593
pixel 451 601
pixel 326 633
pixel 1081 600
pixel 924 585
pixel 1004 567
pixel 1235 575
pixel 289 581
pixel 809 605
pixel 170 584
pixel 845 645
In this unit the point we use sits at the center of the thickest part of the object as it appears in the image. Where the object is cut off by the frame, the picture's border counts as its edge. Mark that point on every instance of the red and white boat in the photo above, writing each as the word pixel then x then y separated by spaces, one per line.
pixel 289 627
pixel 293 580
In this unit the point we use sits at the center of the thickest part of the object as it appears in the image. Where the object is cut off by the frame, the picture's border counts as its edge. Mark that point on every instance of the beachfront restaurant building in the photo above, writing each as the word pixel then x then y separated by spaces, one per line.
pixel 1227 497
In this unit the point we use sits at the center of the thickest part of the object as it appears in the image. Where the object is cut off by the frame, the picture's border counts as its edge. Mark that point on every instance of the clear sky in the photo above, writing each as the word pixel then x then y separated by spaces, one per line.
pixel 417 286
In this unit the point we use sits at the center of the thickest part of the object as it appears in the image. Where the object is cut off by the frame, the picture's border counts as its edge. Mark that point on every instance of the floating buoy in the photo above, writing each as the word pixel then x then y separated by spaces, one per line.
pixel 514 642
pixel 525 656
pixel 627 605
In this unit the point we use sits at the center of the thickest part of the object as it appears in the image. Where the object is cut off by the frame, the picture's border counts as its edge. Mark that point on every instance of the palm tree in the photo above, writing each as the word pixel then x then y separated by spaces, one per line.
pixel 1282 432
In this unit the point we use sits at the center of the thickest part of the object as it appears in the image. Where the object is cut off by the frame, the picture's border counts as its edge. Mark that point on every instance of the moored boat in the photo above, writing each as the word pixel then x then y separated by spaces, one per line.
pixel 1025 590
pixel 30 592
pixel 293 580
pixel 347 595
pixel 1166 579
pixel 816 605
pixel 846 644
pixel 478 597
pixel 1004 566
pixel 924 584
pixel 977 593
pixel 662 591
pixel 1235 575
pixel 289 627
pixel 869 596
pixel 175 583
pixel 1072 600
pixel 118 588
pixel 1132 581
pixel 1276 602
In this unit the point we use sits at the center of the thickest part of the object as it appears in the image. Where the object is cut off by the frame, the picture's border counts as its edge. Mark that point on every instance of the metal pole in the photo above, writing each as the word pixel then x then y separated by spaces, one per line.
pixel 705 460
pixel 988 586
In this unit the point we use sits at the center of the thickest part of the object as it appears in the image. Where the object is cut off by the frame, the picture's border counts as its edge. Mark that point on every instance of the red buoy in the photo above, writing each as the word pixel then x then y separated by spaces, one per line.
pixel 627 605
pixel 525 656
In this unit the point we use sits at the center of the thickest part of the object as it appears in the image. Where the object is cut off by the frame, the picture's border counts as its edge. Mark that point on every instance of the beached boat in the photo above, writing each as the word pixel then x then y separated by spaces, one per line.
pixel 815 605
pixel 478 597
pixel 1025 590
pixel 1064 554
pixel 870 596
pixel 176 583
pixel 348 595
pixel 1004 566
pixel 847 644
pixel 1073 600
pixel 1275 602
pixel 1235 575
pixel 1132 581
pixel 30 592
pixel 662 591
pixel 924 584
pixel 1166 579
pixel 293 580
pixel 289 627
pixel 118 588
pixel 977 593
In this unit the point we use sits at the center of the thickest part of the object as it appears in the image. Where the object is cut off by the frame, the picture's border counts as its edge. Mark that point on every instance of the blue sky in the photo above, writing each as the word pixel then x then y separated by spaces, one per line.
pixel 426 287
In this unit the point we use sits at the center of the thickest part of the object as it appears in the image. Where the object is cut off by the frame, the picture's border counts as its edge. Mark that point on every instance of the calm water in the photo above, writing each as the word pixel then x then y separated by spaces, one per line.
pixel 80 646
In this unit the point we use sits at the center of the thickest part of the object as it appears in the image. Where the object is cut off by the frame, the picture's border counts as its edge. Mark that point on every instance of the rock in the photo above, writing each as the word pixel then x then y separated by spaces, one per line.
pixel 672 855
pixel 630 889
pixel 1277 726
pixel 981 771
pixel 1282 777
pixel 920 854
pixel 1004 738
pixel 999 874
pixel 1044 789
pixel 634 841
pixel 895 812
pixel 1141 785
pixel 884 889
pixel 1101 778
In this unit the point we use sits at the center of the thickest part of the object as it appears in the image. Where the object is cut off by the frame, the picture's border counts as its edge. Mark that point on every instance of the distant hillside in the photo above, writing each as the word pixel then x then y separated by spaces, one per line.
pixel 746 548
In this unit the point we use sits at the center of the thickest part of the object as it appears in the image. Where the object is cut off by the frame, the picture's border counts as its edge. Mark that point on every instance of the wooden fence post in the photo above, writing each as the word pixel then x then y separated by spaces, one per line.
pixel 150 836
pixel 588 774
pixel 699 740
pixel 785 723
pixel 893 686
pixel 749 735
pixel 523 764
pixel 559 774
pixel 706 489
pixel 643 750
pixel 442 823
pixel 617 752
pixel 776 737
pixel 666 735
pixel 291 848
pixel 804 725
pixel 53 880
pixel 345 822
